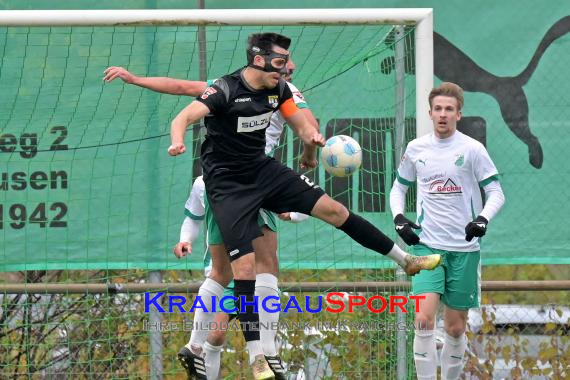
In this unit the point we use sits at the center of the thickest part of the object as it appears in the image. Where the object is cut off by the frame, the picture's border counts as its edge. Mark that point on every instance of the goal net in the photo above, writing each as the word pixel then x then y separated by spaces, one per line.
pixel 88 194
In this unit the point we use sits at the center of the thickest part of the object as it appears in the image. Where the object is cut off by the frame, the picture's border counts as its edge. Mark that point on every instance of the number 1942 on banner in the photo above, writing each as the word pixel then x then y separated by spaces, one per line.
pixel 44 215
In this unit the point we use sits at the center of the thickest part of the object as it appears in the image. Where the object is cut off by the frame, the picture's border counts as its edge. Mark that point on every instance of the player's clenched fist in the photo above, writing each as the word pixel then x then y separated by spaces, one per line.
pixel 318 139
pixel 476 228
pixel 308 160
pixel 182 249
pixel 176 149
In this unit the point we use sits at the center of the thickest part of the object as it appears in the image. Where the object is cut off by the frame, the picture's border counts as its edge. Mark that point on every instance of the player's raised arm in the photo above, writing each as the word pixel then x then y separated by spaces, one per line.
pixel 192 113
pixel 310 136
pixel 303 128
pixel 308 133
pixel 309 156
pixel 310 118
pixel 164 85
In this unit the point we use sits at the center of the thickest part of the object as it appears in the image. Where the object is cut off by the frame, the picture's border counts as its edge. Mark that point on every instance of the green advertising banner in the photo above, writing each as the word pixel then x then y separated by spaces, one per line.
pixel 86 183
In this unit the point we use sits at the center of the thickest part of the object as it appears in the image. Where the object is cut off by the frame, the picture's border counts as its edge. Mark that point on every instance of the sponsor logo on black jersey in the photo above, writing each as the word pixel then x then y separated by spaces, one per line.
pixel 273 100
pixel 254 123
pixel 209 91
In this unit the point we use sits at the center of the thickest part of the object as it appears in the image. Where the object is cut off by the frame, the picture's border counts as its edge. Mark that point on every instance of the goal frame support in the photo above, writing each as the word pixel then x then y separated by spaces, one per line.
pixel 422 18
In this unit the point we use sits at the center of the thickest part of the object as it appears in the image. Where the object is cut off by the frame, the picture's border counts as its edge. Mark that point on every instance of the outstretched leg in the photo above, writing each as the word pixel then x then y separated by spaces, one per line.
pixel 363 232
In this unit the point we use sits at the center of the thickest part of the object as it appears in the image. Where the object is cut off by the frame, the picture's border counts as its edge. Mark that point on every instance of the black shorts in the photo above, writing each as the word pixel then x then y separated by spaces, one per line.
pixel 236 197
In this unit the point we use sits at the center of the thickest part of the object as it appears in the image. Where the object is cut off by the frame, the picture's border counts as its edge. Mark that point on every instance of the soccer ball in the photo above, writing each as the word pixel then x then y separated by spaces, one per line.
pixel 341 156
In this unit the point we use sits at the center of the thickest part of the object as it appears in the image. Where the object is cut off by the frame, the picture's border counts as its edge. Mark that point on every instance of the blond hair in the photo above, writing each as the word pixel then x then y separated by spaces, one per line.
pixel 447 89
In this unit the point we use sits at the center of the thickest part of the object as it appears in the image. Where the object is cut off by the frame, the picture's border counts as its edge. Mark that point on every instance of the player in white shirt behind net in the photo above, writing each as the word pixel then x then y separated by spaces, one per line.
pixel 201 356
pixel 448 168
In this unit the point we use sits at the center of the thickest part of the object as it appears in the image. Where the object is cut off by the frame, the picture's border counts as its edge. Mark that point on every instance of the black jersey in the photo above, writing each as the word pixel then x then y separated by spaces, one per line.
pixel 237 121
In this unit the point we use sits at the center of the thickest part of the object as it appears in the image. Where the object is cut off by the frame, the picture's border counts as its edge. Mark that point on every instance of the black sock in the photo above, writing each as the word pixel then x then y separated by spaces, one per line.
pixel 363 232
pixel 248 318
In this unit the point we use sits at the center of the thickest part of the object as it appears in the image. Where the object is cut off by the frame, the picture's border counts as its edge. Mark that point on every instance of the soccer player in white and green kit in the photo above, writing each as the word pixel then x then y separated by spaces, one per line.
pixel 448 168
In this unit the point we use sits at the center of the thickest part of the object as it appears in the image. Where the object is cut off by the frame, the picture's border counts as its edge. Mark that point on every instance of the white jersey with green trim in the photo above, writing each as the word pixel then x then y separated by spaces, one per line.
pixel 195 208
pixel 449 173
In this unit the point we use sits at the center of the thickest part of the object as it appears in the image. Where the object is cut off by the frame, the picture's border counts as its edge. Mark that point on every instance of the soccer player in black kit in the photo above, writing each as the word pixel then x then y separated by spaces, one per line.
pixel 240 179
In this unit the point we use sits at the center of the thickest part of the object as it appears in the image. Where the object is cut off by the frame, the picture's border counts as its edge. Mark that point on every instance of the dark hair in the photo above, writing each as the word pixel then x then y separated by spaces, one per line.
pixel 447 89
pixel 262 43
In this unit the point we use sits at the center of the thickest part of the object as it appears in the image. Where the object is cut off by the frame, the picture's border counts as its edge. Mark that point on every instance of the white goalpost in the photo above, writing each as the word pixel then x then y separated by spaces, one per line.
pixel 62 86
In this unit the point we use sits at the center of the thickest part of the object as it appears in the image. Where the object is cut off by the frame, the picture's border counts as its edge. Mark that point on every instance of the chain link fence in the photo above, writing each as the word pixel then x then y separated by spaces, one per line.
pixel 102 334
